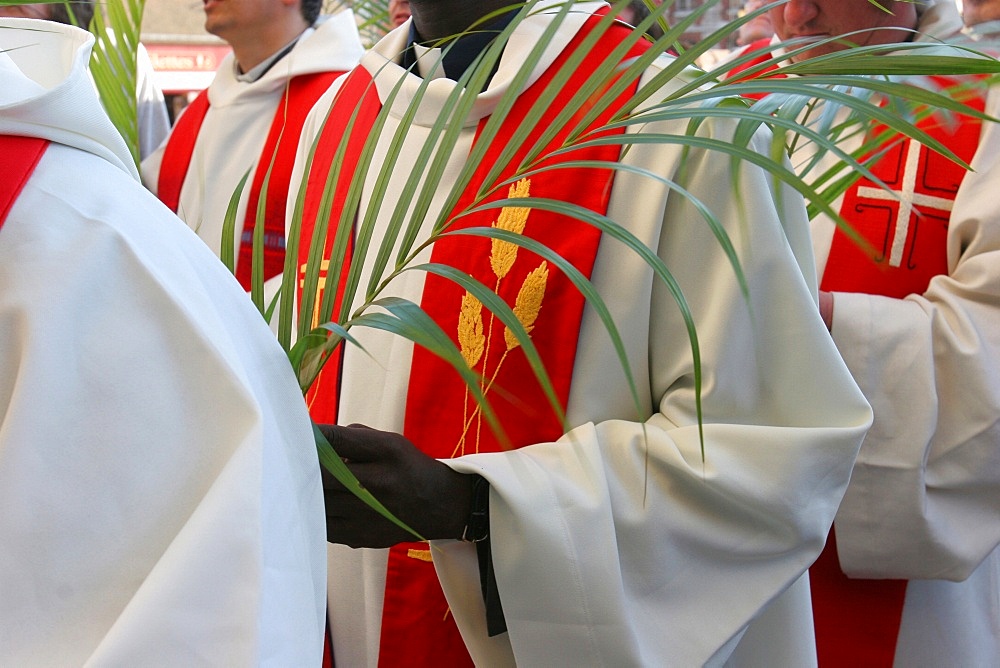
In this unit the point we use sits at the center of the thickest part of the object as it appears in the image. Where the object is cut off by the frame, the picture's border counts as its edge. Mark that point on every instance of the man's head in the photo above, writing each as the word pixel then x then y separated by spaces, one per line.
pixel 237 17
pixel 886 23
pixel 78 13
pixel 980 11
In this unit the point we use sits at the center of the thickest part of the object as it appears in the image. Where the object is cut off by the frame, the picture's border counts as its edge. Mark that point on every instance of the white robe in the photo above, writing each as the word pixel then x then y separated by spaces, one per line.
pixel 159 492
pixel 923 500
pixel 236 125
pixel 594 566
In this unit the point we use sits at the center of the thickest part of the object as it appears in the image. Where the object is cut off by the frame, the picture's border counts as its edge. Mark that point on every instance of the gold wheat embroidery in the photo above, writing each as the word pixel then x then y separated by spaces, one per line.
pixel 528 303
pixel 320 287
pixel 512 219
pixel 419 555
pixel 470 330
pixel 473 344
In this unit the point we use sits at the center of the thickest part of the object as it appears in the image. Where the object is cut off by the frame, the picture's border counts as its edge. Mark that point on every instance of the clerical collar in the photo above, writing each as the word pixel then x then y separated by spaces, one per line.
pixel 261 69
pixel 458 55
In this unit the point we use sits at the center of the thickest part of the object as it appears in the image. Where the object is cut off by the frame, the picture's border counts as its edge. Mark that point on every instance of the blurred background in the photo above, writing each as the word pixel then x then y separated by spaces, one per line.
pixel 185 57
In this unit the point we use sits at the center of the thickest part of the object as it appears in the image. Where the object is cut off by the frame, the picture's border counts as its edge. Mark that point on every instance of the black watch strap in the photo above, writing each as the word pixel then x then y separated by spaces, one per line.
pixel 477 526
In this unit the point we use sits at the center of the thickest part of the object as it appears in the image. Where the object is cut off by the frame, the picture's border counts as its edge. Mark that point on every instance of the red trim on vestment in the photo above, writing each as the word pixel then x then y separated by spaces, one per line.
pixel 178 151
pixel 857 621
pixel 356 101
pixel 417 627
pixel 906 226
pixel 765 55
pixel 282 140
pixel 20 157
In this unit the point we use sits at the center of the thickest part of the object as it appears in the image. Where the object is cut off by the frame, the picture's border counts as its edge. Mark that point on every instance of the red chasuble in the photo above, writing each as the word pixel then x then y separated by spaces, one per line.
pixel 20 157
pixel 274 165
pixel 906 225
pixel 441 414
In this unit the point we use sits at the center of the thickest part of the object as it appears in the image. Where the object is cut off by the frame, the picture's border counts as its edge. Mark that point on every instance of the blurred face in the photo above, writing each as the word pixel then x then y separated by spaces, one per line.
pixel 978 11
pixel 399 11
pixel 758 28
pixel 231 19
pixel 833 18
pixel 26 11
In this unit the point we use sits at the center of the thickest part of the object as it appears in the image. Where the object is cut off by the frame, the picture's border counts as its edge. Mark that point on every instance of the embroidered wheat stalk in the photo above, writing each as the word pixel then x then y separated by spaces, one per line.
pixel 473 344
pixel 527 306
pixel 513 219
pixel 471 340
pixel 528 303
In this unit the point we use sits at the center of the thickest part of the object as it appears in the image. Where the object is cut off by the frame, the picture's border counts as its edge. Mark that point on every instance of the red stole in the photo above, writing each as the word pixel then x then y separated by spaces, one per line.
pixel 857 620
pixel 441 415
pixel 20 157
pixel 274 166
pixel 355 102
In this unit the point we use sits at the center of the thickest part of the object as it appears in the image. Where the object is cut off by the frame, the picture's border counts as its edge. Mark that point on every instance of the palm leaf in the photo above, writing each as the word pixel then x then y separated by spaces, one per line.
pixel 116 25
pixel 690 101
pixel 674 94
pixel 372 17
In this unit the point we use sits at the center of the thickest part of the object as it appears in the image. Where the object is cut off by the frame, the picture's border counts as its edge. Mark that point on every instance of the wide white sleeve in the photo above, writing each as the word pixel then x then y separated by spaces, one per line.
pixel 160 490
pixel 922 502
pixel 621 544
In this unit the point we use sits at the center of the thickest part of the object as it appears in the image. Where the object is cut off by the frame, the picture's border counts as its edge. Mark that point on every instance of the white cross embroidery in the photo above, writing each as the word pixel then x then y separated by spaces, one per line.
pixel 907 198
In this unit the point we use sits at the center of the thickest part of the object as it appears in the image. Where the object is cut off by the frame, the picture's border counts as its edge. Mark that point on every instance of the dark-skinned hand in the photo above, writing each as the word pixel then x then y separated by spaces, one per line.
pixel 425 494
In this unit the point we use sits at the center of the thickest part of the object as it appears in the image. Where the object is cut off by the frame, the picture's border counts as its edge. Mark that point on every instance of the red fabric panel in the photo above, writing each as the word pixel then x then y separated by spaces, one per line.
pixel 20 157
pixel 356 101
pixel 278 157
pixel 178 151
pixel 857 620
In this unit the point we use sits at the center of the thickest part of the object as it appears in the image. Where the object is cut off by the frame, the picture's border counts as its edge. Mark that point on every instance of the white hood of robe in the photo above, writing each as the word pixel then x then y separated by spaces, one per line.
pixel 42 96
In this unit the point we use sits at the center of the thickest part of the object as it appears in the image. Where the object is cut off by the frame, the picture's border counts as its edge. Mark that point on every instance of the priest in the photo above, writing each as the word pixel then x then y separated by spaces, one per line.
pixel 246 124
pixel 160 494
pixel 667 528
pixel 910 574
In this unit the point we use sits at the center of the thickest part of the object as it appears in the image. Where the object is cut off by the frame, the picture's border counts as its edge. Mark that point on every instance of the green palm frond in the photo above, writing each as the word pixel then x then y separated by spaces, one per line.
pixel 815 104
pixel 372 17
pixel 699 97
pixel 116 25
